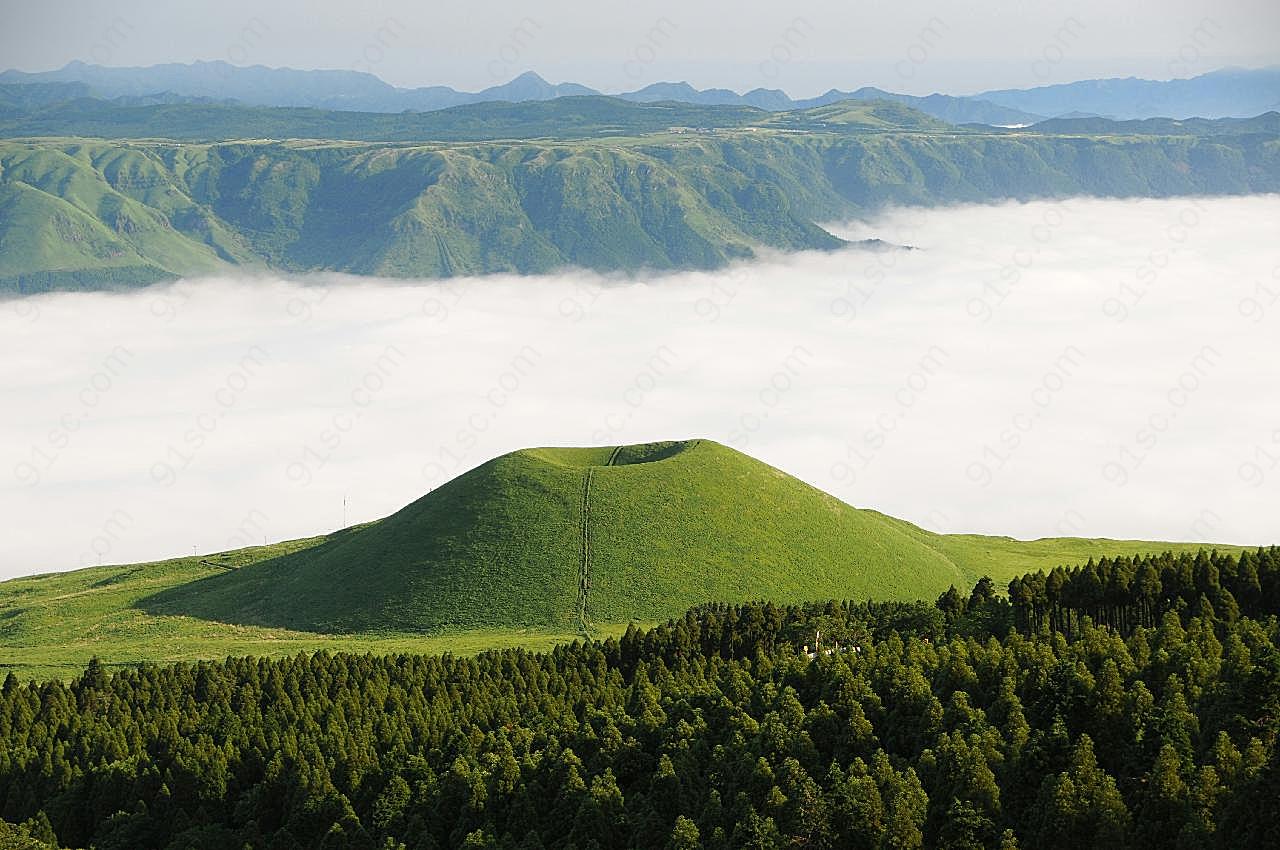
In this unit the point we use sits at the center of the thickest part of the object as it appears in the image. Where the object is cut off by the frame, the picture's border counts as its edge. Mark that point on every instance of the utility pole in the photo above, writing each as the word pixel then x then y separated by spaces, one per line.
pixel 344 510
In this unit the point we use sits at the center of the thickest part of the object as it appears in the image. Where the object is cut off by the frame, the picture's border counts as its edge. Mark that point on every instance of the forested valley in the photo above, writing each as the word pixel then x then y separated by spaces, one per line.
pixel 1127 703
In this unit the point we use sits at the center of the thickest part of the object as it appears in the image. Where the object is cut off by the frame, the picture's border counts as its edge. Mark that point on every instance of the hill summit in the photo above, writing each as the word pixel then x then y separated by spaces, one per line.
pixel 568 537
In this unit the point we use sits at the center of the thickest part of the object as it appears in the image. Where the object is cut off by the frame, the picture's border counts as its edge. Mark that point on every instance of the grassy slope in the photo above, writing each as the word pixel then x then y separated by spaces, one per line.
pixel 50 625
pixel 1002 558
pixel 732 536
pixel 713 524
pixel 500 546
pixel 494 547
pixel 73 209
pixel 415 211
pixel 80 213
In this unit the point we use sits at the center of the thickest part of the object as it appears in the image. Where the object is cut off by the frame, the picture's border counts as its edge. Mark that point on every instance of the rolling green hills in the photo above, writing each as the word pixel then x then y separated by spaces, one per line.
pixel 499 557
pixel 95 214
pixel 62 110
pixel 562 119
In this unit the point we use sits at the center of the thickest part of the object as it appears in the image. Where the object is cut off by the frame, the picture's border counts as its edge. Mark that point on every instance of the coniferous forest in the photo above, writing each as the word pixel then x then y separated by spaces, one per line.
pixel 1129 703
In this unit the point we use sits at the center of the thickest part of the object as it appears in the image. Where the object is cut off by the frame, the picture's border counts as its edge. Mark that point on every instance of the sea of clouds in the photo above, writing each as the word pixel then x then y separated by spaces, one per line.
pixel 1085 367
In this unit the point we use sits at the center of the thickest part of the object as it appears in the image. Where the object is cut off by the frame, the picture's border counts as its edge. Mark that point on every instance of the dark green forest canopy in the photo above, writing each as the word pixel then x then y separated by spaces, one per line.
pixel 970 723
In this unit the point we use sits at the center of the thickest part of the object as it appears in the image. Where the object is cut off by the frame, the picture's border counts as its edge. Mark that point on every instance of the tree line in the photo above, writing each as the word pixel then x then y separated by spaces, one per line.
pixel 1047 719
pixel 1124 593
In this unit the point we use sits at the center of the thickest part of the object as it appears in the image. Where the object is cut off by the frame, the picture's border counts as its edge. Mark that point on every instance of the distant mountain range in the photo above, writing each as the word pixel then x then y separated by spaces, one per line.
pixel 362 92
pixel 1218 94
pixel 261 86
pixel 1226 93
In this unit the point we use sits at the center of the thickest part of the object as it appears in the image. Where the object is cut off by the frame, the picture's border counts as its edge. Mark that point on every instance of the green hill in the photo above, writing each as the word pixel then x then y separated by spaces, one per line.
pixel 565 538
pixel 560 538
pixel 862 116
pixel 495 558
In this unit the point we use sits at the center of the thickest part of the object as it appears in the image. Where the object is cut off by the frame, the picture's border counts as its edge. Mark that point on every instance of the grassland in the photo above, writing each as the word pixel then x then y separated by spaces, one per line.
pixel 616 187
pixel 51 625
pixel 494 559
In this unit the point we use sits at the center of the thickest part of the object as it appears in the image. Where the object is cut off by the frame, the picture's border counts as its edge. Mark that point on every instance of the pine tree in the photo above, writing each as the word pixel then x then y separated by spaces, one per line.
pixel 1082 807
pixel 684 835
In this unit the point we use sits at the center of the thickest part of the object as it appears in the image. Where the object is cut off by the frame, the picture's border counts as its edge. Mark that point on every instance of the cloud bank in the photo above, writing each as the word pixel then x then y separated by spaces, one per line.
pixel 1087 367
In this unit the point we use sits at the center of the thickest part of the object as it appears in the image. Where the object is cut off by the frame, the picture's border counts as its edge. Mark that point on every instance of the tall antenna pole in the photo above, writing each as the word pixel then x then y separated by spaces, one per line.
pixel 344 510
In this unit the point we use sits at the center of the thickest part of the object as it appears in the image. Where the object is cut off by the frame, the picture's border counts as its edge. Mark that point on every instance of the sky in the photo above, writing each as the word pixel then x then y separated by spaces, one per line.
pixel 1084 368
pixel 801 47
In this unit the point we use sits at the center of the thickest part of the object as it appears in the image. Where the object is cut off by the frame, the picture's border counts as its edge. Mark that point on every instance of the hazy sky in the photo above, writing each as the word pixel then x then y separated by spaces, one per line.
pixel 1088 367
pixel 801 47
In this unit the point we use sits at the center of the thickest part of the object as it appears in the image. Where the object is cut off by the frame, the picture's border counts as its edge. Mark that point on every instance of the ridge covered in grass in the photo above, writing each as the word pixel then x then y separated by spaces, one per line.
pixel 91 214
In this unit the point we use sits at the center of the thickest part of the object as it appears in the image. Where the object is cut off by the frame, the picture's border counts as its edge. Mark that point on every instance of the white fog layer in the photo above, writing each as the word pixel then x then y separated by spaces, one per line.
pixel 1086 368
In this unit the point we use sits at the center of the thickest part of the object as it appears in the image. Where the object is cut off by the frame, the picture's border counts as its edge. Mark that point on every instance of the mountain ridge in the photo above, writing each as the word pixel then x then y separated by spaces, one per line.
pixel 1246 91
pixel 361 91
pixel 98 214
pixel 1222 93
